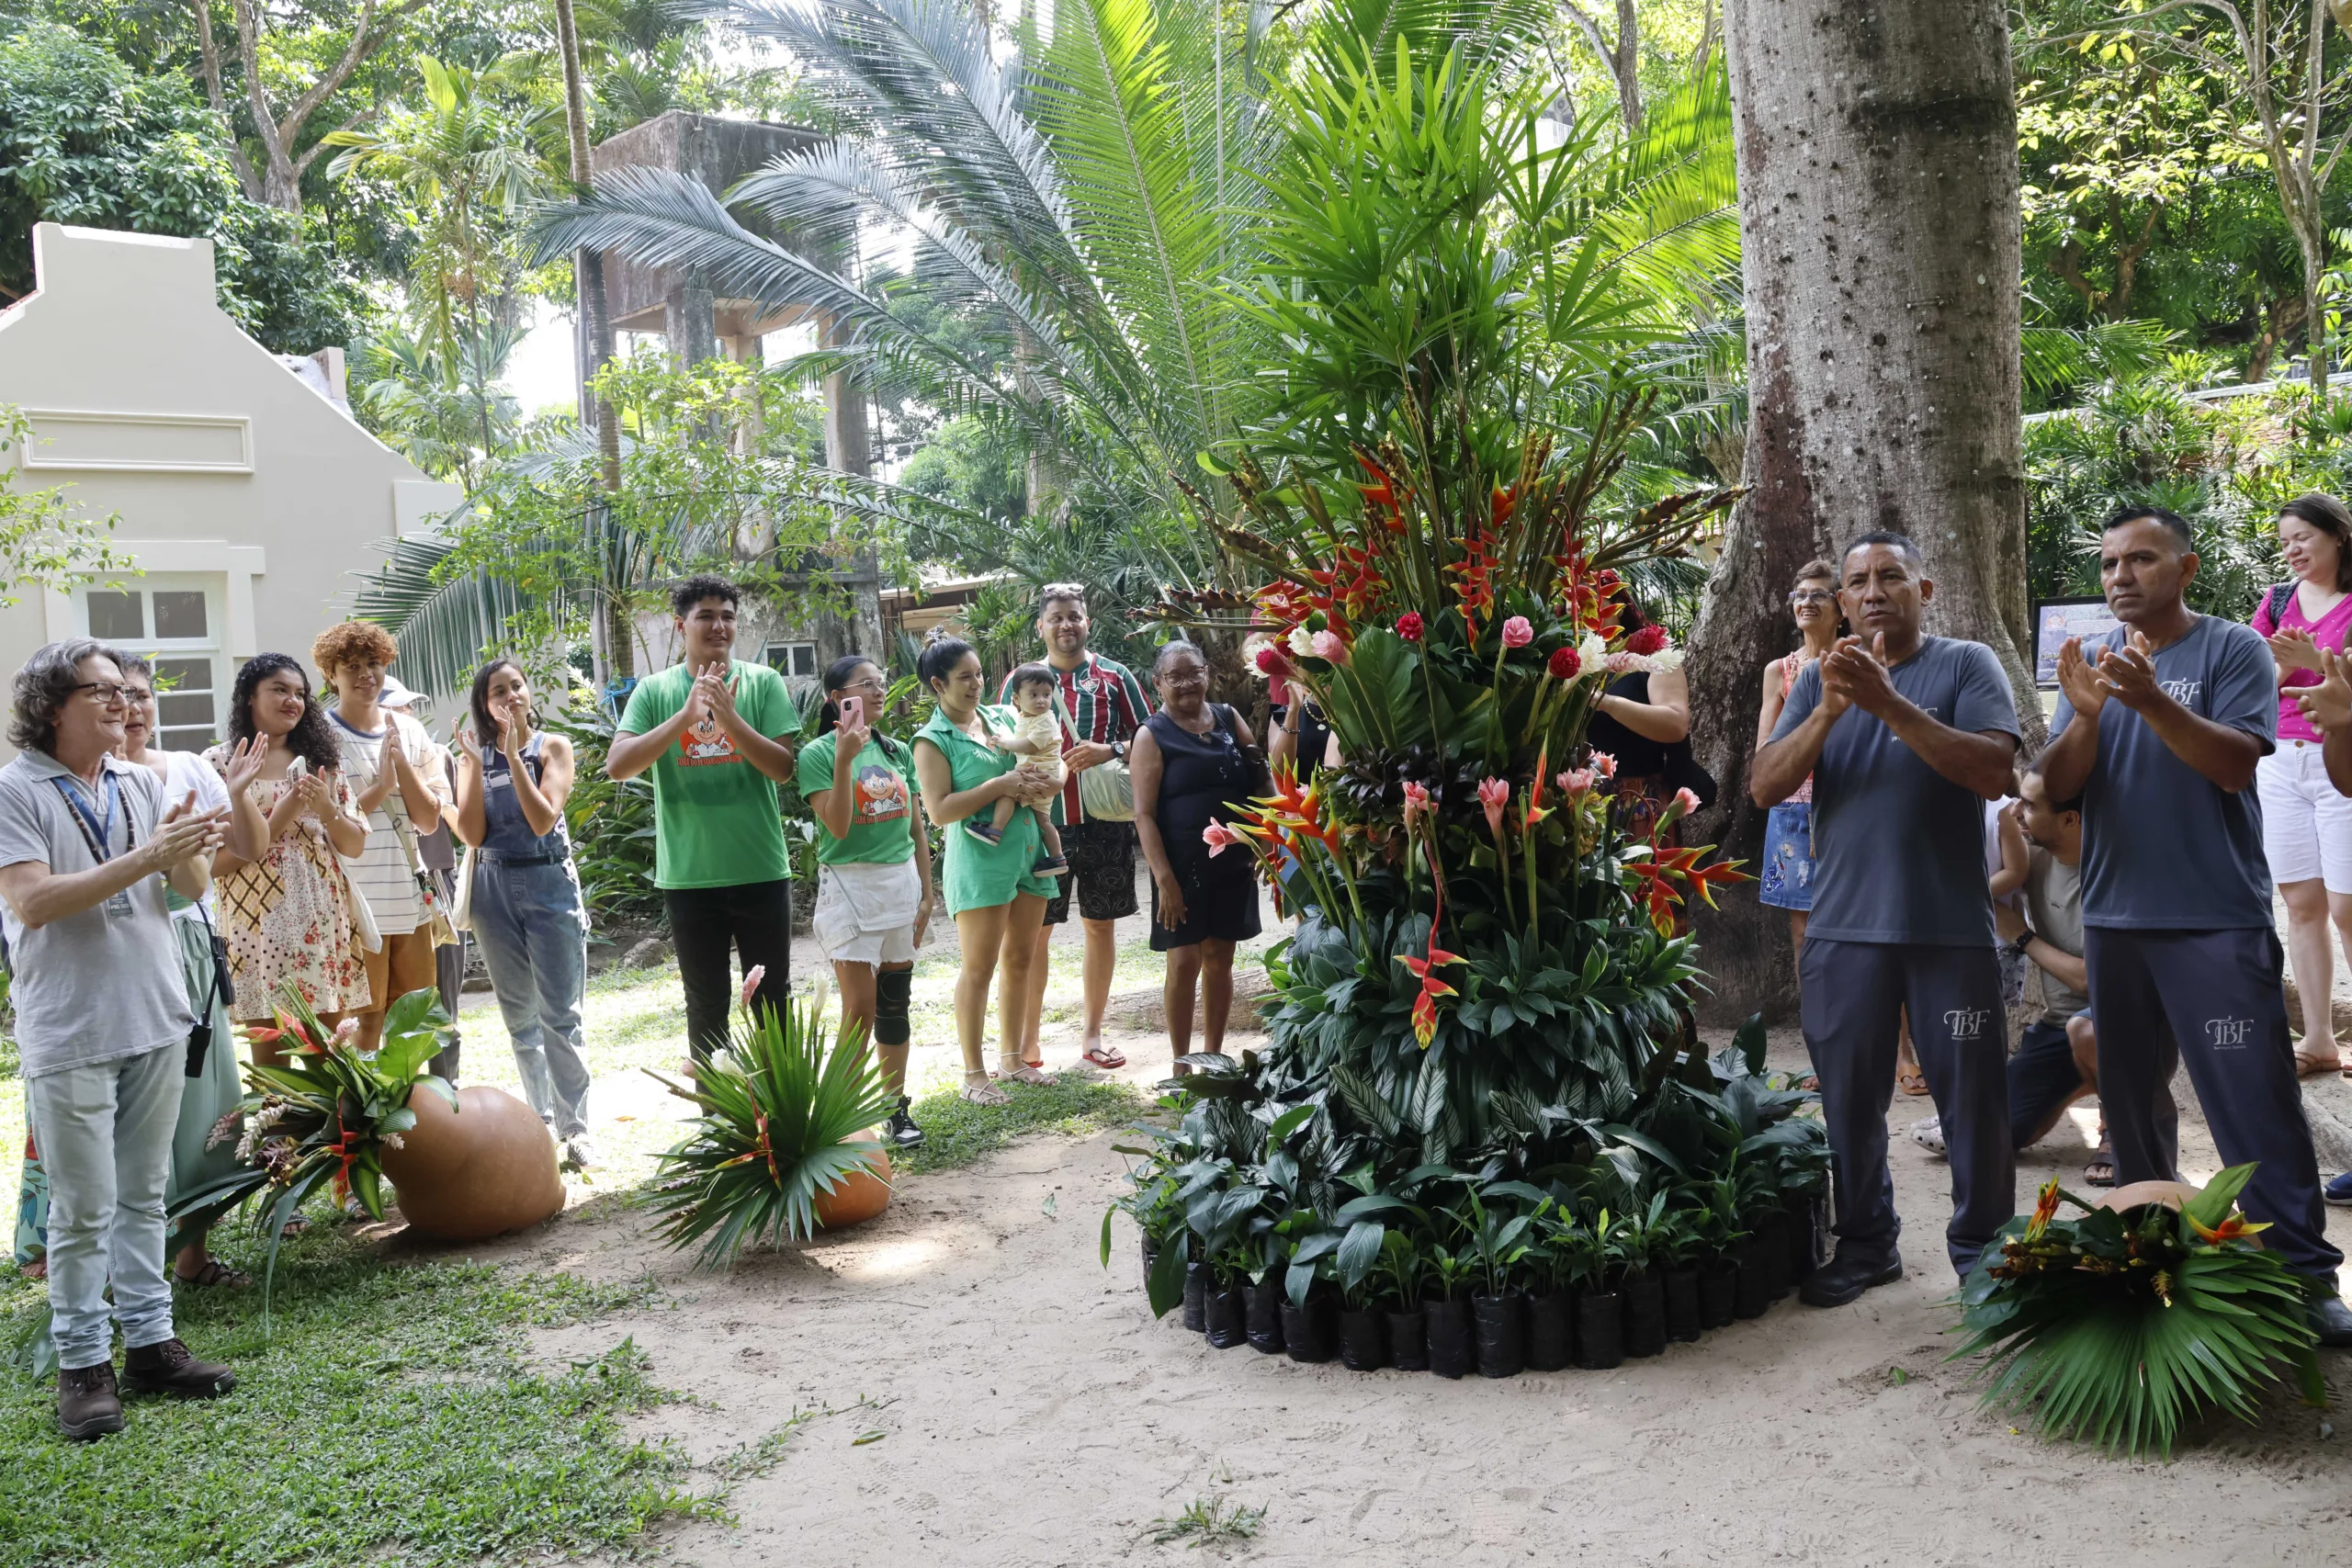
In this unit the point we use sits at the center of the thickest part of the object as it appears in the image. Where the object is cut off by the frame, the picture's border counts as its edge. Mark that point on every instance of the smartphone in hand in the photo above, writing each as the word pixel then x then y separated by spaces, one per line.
pixel 852 711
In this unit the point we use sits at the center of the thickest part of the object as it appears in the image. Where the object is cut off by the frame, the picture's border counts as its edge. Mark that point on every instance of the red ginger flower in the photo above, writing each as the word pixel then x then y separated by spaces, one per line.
pixel 1565 664
pixel 1647 640
pixel 1409 626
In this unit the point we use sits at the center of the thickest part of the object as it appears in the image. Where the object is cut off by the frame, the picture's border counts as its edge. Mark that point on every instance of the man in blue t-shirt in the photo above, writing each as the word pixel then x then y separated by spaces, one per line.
pixel 1906 737
pixel 2158 728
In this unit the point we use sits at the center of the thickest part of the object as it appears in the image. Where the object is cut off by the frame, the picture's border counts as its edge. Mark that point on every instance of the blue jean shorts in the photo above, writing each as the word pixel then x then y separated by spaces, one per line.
pixel 1785 880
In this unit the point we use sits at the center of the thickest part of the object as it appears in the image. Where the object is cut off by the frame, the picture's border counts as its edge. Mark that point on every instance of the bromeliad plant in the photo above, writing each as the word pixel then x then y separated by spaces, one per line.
pixel 786 1116
pixel 2116 1327
pixel 327 1117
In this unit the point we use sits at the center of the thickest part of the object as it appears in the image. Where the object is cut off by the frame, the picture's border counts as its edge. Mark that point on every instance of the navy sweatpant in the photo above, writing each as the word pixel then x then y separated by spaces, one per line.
pixel 2215 996
pixel 1855 995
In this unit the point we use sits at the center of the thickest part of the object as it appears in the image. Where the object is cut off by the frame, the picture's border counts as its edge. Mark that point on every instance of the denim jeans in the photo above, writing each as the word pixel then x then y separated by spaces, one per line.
pixel 527 920
pixel 105 1132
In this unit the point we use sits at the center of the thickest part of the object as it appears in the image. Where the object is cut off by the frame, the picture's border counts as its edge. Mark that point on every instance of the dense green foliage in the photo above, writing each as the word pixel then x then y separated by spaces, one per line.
pixel 85 140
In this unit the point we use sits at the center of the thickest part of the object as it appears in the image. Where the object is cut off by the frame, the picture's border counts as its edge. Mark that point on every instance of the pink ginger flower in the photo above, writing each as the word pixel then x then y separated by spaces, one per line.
pixel 1328 646
pixel 1220 838
pixel 1518 632
pixel 759 972
pixel 1494 794
pixel 1417 803
pixel 1604 766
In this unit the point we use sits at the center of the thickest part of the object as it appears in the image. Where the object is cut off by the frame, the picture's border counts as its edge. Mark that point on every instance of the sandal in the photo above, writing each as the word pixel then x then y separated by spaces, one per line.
pixel 214 1273
pixel 1025 1073
pixel 2102 1159
pixel 293 1228
pixel 1913 1083
pixel 980 1092
pixel 2313 1067
pixel 1104 1057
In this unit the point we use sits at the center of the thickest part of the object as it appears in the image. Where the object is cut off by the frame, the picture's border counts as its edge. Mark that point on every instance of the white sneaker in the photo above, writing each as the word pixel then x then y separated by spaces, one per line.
pixel 579 1154
pixel 1929 1133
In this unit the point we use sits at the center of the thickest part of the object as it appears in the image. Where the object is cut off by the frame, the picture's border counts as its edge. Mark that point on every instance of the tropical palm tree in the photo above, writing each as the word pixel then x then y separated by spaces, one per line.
pixel 1092 199
pixel 464 160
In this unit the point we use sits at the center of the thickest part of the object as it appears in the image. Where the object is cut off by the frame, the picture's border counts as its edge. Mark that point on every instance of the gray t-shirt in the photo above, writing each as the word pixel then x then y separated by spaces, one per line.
pixel 1902 847
pixel 2165 848
pixel 90 988
pixel 2054 901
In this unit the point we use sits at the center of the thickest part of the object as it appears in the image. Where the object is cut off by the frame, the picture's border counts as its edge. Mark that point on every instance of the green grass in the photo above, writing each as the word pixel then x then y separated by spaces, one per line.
pixel 391 1416
pixel 958 1133
pixel 1209 1520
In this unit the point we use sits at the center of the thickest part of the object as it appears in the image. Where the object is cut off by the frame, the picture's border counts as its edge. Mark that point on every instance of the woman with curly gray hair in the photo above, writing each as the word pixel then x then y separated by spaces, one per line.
pixel 89 845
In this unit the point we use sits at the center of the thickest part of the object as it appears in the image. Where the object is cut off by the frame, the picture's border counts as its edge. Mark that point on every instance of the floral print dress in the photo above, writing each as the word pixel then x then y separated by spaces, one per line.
pixel 288 917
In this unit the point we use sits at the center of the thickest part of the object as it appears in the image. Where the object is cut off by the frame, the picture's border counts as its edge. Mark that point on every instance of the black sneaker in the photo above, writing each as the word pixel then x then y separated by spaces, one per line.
pixel 1844 1277
pixel 900 1129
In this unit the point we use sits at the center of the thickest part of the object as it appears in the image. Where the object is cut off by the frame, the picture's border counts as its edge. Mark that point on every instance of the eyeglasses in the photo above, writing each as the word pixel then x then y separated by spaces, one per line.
pixel 1812 596
pixel 869 684
pixel 107 693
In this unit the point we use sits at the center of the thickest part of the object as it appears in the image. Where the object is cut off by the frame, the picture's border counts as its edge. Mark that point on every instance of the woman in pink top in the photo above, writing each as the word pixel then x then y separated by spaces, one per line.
pixel 2306 826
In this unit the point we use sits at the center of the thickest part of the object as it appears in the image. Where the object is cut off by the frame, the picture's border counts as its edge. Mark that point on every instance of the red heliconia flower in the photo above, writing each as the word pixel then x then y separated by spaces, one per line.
pixel 1475 589
pixel 1647 640
pixel 1409 626
pixel 1564 664
pixel 1285 604
pixel 1506 500
pixel 1425 1004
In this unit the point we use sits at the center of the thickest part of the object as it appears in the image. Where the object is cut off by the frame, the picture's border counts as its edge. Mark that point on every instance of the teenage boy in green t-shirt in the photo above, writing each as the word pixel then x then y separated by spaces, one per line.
pixel 710 728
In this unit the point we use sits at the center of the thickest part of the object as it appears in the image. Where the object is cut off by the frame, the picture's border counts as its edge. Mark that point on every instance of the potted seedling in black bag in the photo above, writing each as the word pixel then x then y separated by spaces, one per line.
pixel 1600 1309
pixel 1499 1240
pixel 1676 1240
pixel 1640 1264
pixel 1551 1296
pixel 1403 1273
pixel 1454 1343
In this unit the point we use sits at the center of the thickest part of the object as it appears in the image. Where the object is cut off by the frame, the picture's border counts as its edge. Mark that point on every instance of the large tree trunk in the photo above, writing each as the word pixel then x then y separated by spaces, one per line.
pixel 1879 231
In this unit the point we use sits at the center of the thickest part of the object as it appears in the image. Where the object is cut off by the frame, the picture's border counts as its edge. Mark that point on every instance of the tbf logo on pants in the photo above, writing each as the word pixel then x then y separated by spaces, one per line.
pixel 2229 1033
pixel 1966 1023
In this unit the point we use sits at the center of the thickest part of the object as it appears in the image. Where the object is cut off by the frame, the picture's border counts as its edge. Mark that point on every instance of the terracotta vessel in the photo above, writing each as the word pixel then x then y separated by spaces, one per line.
pixel 481 1170
pixel 862 1194
pixel 2171 1194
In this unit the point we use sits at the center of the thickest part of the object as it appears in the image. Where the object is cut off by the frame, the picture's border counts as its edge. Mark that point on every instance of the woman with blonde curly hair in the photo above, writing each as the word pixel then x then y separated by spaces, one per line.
pixel 396 785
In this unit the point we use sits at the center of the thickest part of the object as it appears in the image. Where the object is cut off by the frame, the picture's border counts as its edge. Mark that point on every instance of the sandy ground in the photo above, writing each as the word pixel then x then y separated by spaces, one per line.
pixel 988 1395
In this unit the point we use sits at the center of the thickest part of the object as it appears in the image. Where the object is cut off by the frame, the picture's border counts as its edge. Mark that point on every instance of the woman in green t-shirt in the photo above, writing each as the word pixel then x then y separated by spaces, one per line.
pixel 874 876
pixel 998 902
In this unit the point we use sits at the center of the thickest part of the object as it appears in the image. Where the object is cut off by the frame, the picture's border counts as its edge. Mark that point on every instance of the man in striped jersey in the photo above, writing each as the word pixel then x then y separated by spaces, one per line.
pixel 1101 706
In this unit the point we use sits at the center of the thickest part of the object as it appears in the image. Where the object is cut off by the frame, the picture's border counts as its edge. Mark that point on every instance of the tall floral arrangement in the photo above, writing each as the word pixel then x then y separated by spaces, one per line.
pixel 1488 999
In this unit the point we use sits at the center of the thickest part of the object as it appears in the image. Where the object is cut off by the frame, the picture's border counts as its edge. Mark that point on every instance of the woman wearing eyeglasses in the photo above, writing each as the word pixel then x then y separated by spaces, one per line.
pixel 1786 880
pixel 874 868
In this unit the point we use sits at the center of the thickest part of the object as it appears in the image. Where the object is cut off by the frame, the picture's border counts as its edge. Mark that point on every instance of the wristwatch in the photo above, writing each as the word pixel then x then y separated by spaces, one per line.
pixel 2024 939
pixel 1118 750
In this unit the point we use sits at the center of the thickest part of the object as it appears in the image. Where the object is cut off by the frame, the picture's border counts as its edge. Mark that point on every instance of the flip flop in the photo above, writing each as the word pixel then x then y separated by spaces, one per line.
pixel 1913 1083
pixel 214 1272
pixel 2102 1156
pixel 2310 1066
pixel 1105 1056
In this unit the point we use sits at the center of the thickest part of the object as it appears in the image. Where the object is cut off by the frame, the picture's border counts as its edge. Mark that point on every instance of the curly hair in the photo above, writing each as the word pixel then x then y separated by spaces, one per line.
pixel 44 686
pixel 702 586
pixel 352 642
pixel 310 739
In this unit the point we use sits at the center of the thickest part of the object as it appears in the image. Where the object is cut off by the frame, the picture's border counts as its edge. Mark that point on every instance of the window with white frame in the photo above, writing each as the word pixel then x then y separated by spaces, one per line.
pixel 791 659
pixel 176 620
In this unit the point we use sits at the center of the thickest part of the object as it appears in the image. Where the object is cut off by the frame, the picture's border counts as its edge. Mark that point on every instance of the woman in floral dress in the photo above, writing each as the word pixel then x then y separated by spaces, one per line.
pixel 288 916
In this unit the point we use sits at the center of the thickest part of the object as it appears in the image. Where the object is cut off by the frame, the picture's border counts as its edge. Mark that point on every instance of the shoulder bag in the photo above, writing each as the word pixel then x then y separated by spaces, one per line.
pixel 1106 793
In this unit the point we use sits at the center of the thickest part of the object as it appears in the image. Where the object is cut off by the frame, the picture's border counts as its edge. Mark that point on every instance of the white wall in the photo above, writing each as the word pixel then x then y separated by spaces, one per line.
pixel 233 480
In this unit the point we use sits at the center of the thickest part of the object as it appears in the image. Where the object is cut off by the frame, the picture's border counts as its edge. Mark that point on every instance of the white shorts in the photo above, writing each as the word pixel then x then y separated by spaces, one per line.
pixel 865 912
pixel 2306 826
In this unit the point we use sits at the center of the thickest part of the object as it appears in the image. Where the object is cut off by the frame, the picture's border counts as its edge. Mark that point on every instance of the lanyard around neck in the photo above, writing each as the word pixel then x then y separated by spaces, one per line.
pixel 97 831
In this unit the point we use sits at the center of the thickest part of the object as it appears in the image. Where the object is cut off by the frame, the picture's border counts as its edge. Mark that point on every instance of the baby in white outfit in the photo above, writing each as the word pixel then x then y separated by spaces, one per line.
pixel 1038 736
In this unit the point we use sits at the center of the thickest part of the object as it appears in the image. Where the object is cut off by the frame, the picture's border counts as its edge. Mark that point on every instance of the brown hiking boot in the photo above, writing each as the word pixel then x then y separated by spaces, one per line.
pixel 88 1406
pixel 168 1368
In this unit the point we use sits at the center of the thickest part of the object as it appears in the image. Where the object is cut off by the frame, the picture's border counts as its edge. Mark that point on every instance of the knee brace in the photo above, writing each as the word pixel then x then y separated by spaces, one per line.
pixel 893 988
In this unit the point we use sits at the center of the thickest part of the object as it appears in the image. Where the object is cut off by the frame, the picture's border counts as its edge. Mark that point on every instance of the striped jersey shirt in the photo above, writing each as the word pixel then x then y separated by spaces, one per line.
pixel 1105 700
pixel 383 871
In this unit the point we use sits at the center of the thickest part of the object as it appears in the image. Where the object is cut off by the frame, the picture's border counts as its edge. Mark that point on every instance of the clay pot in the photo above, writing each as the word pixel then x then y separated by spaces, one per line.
pixel 2171 1194
pixel 861 1194
pixel 479 1171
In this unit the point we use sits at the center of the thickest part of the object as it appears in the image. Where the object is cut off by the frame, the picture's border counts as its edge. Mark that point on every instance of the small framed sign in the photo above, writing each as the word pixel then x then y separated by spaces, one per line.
pixel 2055 620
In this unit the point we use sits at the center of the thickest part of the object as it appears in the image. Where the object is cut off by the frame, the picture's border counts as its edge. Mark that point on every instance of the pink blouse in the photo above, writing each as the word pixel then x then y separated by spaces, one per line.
pixel 2328 631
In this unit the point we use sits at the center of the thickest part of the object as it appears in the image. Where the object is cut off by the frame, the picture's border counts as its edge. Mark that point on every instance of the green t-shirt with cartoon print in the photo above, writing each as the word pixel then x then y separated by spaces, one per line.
pixel 715 821
pixel 880 808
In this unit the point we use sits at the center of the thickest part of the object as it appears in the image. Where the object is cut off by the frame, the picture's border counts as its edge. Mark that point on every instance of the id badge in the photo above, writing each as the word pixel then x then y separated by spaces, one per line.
pixel 119 906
